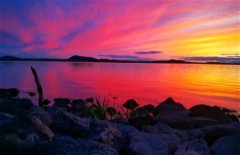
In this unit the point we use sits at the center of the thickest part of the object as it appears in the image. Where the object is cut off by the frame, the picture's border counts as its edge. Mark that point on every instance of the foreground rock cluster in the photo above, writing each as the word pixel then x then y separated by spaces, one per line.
pixel 69 128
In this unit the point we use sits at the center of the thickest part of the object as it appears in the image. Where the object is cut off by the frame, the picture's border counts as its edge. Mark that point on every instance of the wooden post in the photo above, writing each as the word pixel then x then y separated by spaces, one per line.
pixel 39 87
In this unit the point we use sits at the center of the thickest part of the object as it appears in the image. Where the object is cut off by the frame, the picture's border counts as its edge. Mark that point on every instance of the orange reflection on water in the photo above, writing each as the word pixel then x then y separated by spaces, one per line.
pixel 189 84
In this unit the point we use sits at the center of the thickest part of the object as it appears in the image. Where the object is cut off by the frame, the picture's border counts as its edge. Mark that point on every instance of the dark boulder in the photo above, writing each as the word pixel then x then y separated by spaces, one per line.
pixel 150 108
pixel 8 93
pixel 155 144
pixel 178 120
pixel 24 103
pixel 68 146
pixel 15 106
pixel 130 104
pixel 90 100
pixel 25 124
pixel 169 106
pixel 71 124
pixel 12 144
pixel 211 112
pixel 62 103
pixel 78 106
pixel 112 134
pixel 211 133
pixel 140 117
pixel 40 113
pixel 195 147
pixel 229 145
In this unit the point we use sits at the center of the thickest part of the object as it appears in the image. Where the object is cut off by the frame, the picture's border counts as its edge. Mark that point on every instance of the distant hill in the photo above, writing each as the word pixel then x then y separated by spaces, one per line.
pixel 82 58
pixel 172 61
pixel 77 58
pixel 9 58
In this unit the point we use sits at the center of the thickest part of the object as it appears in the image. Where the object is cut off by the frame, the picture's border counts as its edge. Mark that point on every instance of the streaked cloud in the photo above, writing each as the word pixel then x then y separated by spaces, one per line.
pixel 215 59
pixel 64 28
pixel 148 52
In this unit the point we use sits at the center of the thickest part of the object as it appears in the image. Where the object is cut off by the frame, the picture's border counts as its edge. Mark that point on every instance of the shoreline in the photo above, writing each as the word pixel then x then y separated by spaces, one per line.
pixel 138 62
pixel 27 128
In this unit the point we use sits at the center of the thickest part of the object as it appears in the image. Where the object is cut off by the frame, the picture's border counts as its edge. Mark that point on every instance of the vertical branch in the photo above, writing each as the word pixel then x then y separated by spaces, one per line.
pixel 39 87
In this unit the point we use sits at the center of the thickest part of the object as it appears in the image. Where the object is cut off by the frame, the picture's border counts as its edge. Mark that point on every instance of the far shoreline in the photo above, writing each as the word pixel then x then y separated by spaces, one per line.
pixel 134 62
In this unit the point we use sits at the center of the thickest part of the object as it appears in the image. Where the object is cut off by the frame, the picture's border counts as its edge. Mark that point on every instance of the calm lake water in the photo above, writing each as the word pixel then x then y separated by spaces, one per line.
pixel 189 84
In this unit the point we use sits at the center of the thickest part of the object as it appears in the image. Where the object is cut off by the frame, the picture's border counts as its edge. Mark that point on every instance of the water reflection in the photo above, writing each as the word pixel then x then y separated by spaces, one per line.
pixel 147 83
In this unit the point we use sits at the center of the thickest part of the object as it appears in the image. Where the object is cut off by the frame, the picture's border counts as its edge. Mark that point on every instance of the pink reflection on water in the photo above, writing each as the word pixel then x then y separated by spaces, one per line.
pixel 146 83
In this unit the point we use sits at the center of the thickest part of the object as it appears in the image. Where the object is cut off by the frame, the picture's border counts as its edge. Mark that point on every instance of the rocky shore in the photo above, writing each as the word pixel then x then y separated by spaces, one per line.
pixel 92 127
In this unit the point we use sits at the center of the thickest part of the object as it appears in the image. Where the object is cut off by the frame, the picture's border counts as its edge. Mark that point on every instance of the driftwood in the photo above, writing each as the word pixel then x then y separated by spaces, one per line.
pixel 39 87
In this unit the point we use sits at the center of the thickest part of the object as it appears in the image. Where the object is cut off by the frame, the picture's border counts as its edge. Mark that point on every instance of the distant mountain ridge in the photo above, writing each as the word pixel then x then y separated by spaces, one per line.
pixel 77 58
pixel 82 58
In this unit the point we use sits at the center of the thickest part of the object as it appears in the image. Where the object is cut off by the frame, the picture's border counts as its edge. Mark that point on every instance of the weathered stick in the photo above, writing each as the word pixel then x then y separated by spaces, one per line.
pixel 39 87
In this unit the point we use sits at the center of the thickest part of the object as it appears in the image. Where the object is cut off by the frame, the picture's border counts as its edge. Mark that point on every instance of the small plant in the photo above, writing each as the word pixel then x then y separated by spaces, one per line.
pixel 130 105
pixel 111 112
pixel 99 110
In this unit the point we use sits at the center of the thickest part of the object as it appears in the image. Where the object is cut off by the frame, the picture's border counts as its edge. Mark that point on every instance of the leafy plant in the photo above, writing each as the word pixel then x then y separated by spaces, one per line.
pixel 111 112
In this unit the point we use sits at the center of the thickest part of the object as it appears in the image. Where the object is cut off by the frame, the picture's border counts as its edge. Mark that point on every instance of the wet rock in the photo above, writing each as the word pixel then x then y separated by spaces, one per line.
pixel 169 106
pixel 186 135
pixel 155 144
pixel 62 103
pixel 206 111
pixel 24 103
pixel 90 100
pixel 78 106
pixel 13 144
pixel 40 127
pixel 229 145
pixel 113 134
pixel 195 147
pixel 24 124
pixel 15 106
pixel 202 122
pixel 150 108
pixel 69 146
pixel 211 133
pixel 40 113
pixel 178 120
pixel 46 102
pixel 140 117
pixel 130 104
pixel 8 93
pixel 71 124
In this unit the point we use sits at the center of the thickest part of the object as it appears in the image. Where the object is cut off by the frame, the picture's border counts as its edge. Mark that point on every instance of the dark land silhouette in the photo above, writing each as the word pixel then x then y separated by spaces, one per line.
pixel 76 58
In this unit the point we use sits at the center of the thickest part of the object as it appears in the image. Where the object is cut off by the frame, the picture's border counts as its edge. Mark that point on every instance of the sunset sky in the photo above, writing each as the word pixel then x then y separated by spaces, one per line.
pixel 121 29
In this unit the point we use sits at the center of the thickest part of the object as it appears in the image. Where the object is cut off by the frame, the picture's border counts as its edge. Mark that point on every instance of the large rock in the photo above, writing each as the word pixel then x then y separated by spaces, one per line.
pixel 202 122
pixel 78 106
pixel 40 127
pixel 12 144
pixel 169 106
pixel 113 134
pixel 68 146
pixel 229 145
pixel 140 117
pixel 41 114
pixel 8 93
pixel 62 103
pixel 195 147
pixel 210 112
pixel 211 133
pixel 24 124
pixel 5 117
pixel 149 107
pixel 184 136
pixel 15 106
pixel 71 124
pixel 178 120
pixel 155 144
